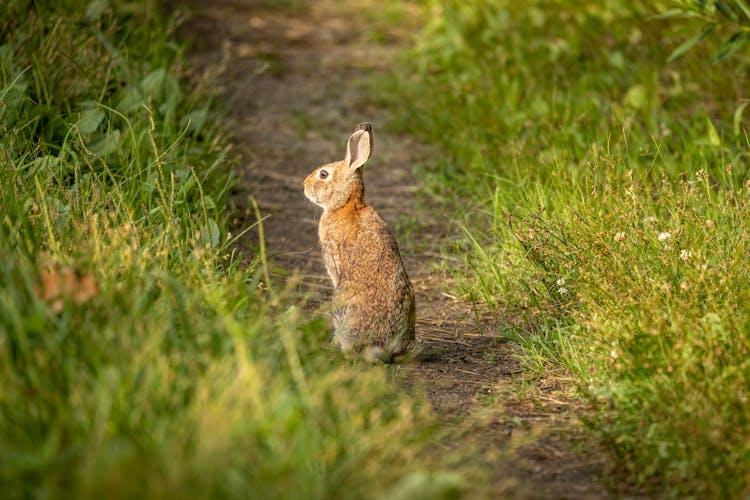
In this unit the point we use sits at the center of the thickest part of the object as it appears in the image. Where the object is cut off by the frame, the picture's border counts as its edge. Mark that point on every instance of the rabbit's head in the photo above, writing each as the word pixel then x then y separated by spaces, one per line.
pixel 332 185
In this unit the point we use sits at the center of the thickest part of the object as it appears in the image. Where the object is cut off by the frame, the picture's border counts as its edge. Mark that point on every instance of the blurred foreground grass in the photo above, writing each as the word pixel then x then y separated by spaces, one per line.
pixel 602 192
pixel 137 357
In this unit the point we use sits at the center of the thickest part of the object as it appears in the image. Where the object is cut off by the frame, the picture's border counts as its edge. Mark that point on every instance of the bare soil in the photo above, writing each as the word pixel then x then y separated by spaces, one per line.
pixel 296 78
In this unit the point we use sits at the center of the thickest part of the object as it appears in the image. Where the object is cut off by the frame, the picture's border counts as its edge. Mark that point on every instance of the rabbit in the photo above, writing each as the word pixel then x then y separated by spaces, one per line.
pixel 373 299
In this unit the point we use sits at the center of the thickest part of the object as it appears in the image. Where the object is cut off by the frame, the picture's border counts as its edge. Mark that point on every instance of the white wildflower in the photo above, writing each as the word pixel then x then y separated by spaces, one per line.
pixel 561 282
pixel 664 236
pixel 562 290
pixel 685 254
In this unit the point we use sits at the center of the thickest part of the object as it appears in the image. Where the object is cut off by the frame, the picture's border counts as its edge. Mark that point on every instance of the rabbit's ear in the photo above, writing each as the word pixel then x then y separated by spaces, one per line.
pixel 359 148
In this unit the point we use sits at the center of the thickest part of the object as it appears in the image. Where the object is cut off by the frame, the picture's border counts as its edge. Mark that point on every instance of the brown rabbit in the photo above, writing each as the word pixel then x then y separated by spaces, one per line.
pixel 373 300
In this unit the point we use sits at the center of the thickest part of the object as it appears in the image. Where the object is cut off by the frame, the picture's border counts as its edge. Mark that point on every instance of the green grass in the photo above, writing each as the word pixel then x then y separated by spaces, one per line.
pixel 138 357
pixel 602 193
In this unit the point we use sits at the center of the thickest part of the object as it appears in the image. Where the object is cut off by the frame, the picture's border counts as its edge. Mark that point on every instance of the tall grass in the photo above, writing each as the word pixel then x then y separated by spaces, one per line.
pixel 603 193
pixel 137 356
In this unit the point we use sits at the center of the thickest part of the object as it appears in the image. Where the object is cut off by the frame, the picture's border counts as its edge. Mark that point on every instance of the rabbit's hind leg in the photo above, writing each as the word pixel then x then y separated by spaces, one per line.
pixel 374 353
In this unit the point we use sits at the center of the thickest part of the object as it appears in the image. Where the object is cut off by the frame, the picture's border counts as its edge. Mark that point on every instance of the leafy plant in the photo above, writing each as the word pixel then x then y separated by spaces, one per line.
pixel 140 357
pixel 601 195
pixel 731 17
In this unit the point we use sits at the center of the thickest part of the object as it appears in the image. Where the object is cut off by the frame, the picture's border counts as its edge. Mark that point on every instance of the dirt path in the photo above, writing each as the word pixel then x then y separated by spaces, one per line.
pixel 294 89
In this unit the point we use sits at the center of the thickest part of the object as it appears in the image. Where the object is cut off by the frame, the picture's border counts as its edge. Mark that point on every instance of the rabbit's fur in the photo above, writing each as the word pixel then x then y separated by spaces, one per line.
pixel 373 300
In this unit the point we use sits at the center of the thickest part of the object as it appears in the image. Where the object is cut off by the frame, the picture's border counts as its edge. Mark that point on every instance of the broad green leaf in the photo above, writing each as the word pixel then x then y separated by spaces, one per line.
pixel 107 144
pixel 194 120
pixel 738 117
pixel 210 203
pixel 46 162
pixel 161 83
pixel 90 120
pixel 12 97
pixel 212 233
pixel 95 9
pixel 616 59
pixel 131 100
pixel 636 97
pixel 153 81
pixel 713 135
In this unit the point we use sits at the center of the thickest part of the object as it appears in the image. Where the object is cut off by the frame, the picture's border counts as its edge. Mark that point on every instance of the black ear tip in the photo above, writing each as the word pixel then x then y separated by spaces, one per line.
pixel 366 126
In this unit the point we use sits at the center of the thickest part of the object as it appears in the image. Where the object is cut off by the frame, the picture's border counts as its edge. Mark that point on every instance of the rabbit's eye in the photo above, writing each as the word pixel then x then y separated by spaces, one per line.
pixel 323 174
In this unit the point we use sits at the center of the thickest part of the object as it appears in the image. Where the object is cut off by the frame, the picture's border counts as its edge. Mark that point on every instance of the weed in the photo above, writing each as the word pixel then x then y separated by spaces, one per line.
pixel 603 194
pixel 138 357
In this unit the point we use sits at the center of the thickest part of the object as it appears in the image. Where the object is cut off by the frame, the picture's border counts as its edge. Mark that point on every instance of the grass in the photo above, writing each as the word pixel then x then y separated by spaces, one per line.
pixel 601 191
pixel 138 356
